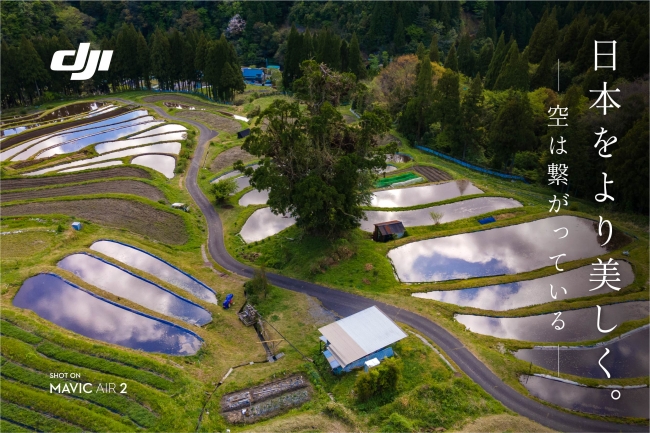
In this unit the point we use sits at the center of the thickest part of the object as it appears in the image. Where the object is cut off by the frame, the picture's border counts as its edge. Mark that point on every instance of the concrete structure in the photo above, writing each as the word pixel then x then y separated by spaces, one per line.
pixel 366 335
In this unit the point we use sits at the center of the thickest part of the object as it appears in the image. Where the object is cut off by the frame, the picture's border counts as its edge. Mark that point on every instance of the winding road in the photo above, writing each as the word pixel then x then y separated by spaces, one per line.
pixel 344 304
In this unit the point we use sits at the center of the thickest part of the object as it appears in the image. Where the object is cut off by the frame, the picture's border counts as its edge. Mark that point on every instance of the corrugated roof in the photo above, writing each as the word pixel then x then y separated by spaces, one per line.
pixel 361 334
pixel 390 227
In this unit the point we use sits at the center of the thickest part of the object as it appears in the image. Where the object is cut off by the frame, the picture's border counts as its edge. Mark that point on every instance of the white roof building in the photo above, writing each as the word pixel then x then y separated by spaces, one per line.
pixel 357 336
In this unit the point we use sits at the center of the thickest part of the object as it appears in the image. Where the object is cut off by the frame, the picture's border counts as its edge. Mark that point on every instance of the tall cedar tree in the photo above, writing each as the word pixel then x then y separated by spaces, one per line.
pixel 472 110
pixel 495 64
pixel 160 59
pixel 32 70
pixel 316 167
pixel 292 58
pixel 447 111
pixel 485 57
pixel 345 48
pixel 307 46
pixel 144 63
pixel 512 131
pixel 514 73
pixel 544 36
pixel 418 113
pixel 434 52
pixel 451 62
pixel 399 38
pixel 329 48
pixel 543 76
pixel 466 57
pixel 355 62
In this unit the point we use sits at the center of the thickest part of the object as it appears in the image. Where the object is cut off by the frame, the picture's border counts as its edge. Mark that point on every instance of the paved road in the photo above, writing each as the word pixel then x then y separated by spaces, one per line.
pixel 344 304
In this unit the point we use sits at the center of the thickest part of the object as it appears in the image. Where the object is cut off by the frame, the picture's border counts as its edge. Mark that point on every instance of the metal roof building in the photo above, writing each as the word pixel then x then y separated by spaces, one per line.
pixel 388 230
pixel 358 338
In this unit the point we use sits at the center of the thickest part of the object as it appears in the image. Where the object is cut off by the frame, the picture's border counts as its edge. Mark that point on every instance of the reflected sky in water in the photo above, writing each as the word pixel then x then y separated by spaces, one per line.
pixel 450 212
pixel 162 130
pixel 500 251
pixel 74 309
pixel 123 284
pixel 161 163
pixel 92 166
pixel 156 267
pixel 254 197
pixel 579 325
pixel 264 223
pixel 501 297
pixel 414 196
pixel 627 357
pixel 633 402
pixel 111 146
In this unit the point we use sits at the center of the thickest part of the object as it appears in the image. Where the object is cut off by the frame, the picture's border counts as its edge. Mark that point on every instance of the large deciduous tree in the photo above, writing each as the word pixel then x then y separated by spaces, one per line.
pixel 316 167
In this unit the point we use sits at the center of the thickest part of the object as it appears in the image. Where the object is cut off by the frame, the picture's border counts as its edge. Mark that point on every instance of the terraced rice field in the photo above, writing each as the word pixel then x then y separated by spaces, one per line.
pixel 228 157
pixel 108 187
pixel 23 183
pixel 181 100
pixel 30 352
pixel 213 121
pixel 432 174
pixel 137 217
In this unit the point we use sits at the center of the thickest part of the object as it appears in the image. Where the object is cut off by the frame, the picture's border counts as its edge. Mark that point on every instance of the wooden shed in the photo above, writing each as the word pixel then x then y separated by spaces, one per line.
pixel 388 230
pixel 244 133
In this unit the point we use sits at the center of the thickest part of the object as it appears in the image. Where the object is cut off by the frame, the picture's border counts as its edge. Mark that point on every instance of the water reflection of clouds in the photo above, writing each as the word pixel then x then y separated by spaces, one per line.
pixel 154 266
pixel 120 283
pixel 76 310
pixel 414 196
pixel 633 402
pixel 579 325
pixel 505 250
pixel 264 223
pixel 519 294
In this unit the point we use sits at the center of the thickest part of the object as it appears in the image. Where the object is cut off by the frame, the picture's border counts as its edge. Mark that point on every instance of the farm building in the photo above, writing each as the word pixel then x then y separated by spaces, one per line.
pixel 253 75
pixel 364 336
pixel 388 230
pixel 244 133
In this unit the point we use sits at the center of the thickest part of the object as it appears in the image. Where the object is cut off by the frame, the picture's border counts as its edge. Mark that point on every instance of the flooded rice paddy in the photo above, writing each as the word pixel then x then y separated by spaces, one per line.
pixel 450 212
pixel 161 163
pixel 575 325
pixel 157 267
pixel 627 357
pixel 124 284
pixel 500 251
pixel 111 146
pixel 92 166
pixel 92 126
pixel 509 296
pixel 77 310
pixel 170 147
pixel 28 122
pixel 254 197
pixel 264 223
pixel 418 195
pixel 633 402
pixel 162 130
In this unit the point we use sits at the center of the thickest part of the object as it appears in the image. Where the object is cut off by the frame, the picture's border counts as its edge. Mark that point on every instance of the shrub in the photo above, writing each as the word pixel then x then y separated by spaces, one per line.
pixel 255 111
pixel 258 287
pixel 223 189
pixel 381 380
pixel 436 217
pixel 59 228
pixel 398 424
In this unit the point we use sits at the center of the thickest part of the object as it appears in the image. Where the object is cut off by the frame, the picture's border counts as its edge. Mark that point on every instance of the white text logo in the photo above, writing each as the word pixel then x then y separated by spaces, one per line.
pixel 80 61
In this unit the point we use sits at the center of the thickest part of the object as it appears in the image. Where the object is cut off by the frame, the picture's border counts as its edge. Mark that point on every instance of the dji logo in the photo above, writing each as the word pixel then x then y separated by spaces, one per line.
pixel 80 61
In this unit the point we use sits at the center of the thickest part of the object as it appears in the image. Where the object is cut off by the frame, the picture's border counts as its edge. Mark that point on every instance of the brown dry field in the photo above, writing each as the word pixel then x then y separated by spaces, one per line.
pixel 227 158
pixel 181 100
pixel 111 186
pixel 503 423
pixel 30 134
pixel 137 217
pixel 11 184
pixel 214 121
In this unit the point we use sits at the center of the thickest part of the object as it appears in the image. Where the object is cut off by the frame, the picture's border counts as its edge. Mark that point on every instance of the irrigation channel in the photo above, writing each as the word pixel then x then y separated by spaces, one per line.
pixel 344 304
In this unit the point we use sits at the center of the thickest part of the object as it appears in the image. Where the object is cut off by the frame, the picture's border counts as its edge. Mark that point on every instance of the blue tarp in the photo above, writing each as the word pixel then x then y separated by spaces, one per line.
pixel 487 220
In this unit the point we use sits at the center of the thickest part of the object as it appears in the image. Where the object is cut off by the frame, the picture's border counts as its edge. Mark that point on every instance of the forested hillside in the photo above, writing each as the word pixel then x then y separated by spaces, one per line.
pixel 473 79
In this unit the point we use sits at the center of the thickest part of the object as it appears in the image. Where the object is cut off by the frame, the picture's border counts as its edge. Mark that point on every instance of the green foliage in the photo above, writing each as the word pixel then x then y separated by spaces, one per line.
pixel 434 52
pixel 257 288
pixel 451 62
pixel 223 189
pixel 466 57
pixel 399 38
pixel 380 382
pixel 512 130
pixel 418 113
pixel 355 62
pixel 447 109
pixel 10 330
pixel 397 423
pixel 340 412
pixel 35 420
pixel 495 64
pixel 544 36
pixel 543 76
pixel 472 131
pixel 514 73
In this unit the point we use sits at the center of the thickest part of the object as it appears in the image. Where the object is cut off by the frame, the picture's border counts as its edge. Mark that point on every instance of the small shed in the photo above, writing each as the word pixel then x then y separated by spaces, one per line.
pixel 76 225
pixel 388 230
pixel 244 133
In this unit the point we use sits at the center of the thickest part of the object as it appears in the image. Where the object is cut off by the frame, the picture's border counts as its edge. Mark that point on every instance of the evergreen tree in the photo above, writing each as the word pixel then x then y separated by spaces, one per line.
pixel 512 131
pixel 544 36
pixel 434 52
pixel 485 57
pixel 447 111
pixel 421 51
pixel 144 65
pixel 514 74
pixel 345 67
pixel 292 58
pixel 355 62
pixel 307 45
pixel 176 45
pixel 451 62
pixel 160 59
pixel 466 57
pixel 199 57
pixel 399 38
pixel 329 48
pixel 495 64
pixel 472 118
pixel 418 113
pixel 543 76
pixel 32 69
